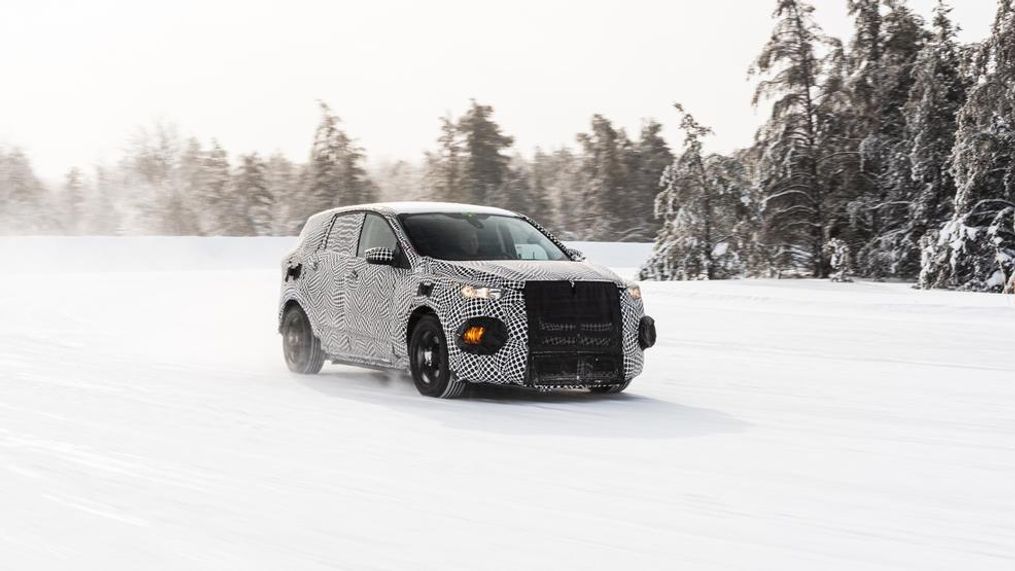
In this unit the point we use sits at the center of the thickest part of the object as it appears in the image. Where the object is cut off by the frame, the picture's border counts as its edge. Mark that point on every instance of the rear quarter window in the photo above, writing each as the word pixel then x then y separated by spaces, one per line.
pixel 313 233
pixel 344 234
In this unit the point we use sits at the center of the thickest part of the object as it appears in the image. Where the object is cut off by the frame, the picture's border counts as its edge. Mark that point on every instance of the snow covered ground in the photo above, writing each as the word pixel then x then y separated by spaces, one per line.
pixel 147 421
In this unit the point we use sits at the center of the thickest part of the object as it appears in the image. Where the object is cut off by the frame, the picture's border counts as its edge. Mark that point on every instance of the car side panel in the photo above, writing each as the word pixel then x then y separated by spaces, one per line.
pixel 337 257
pixel 299 280
pixel 312 278
pixel 374 294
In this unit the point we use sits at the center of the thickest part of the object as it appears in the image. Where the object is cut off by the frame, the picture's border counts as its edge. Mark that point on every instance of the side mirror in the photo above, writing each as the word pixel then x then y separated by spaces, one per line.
pixel 382 256
pixel 575 254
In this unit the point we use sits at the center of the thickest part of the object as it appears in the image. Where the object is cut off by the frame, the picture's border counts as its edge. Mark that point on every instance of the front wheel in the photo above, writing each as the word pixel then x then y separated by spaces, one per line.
pixel 302 349
pixel 428 361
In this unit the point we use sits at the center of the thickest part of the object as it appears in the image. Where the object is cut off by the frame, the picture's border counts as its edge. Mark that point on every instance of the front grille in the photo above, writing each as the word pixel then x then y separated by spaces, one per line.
pixel 574 332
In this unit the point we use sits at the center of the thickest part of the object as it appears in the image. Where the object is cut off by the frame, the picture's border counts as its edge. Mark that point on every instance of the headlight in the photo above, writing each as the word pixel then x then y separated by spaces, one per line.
pixel 634 290
pixel 480 292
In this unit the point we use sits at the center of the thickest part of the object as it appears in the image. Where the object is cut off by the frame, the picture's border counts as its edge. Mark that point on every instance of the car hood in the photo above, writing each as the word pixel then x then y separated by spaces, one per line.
pixel 514 273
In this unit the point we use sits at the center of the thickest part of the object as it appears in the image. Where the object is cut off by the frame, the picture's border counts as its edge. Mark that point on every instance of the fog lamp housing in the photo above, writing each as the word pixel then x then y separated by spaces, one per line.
pixel 481 335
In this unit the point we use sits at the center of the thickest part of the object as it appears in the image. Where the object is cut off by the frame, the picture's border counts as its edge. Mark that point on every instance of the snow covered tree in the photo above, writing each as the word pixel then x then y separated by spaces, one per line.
pixel 698 206
pixel 840 259
pixel 864 60
pixel 748 236
pixel 975 249
pixel 938 92
pixel 881 80
pixel 795 140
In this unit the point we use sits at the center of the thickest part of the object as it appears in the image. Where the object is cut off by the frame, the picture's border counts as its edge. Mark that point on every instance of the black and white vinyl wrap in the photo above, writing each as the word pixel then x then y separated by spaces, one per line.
pixel 361 312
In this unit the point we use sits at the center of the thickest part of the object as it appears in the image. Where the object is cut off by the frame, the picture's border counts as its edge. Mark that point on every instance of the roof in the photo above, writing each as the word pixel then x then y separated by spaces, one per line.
pixel 413 207
pixel 423 206
pixel 419 207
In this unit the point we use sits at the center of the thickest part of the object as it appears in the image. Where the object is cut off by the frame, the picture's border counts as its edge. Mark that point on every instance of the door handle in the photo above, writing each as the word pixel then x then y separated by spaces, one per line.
pixel 353 275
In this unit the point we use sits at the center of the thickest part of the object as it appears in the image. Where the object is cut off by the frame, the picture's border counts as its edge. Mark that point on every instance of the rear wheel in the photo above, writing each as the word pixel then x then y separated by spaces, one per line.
pixel 301 348
pixel 428 361
pixel 610 389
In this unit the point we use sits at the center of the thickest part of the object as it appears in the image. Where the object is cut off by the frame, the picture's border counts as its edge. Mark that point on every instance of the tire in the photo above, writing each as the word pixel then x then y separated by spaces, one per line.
pixel 428 361
pixel 610 389
pixel 302 350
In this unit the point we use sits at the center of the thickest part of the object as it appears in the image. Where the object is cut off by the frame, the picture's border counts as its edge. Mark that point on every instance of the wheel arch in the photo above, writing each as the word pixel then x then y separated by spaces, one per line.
pixel 414 318
pixel 290 303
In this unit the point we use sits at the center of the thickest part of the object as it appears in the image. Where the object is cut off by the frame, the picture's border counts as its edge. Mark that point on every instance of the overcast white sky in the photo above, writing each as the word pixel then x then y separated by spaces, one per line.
pixel 76 78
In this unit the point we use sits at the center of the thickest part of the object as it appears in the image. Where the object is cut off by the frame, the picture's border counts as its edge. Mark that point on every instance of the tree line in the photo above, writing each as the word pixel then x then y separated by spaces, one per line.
pixel 892 157
pixel 170 185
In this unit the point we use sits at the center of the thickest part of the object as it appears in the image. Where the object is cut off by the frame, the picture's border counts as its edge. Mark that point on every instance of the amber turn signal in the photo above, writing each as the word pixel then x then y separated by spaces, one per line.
pixel 473 335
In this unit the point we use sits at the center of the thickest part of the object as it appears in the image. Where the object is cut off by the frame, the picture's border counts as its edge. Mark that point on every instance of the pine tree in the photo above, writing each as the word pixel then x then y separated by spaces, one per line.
pixel 795 140
pixel 699 207
pixel 840 259
pixel 73 200
pixel 516 191
pixel 556 176
pixel 469 165
pixel 152 167
pixel 102 217
pixel 605 172
pixel 485 167
pixel 22 196
pixel 189 177
pixel 444 178
pixel 938 92
pixel 864 61
pixel 282 180
pixel 882 79
pixel 214 181
pixel 336 176
pixel 253 202
pixel 975 250
pixel 653 155
pixel 399 180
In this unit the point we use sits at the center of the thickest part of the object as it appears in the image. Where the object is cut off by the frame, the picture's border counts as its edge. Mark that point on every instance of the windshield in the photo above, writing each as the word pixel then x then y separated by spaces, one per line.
pixel 473 237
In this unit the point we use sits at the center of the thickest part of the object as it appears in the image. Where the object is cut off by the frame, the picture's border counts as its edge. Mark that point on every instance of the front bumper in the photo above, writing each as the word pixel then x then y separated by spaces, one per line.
pixel 514 363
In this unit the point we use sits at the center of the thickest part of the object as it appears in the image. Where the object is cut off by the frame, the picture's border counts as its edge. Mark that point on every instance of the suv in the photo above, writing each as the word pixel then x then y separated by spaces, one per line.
pixel 457 294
